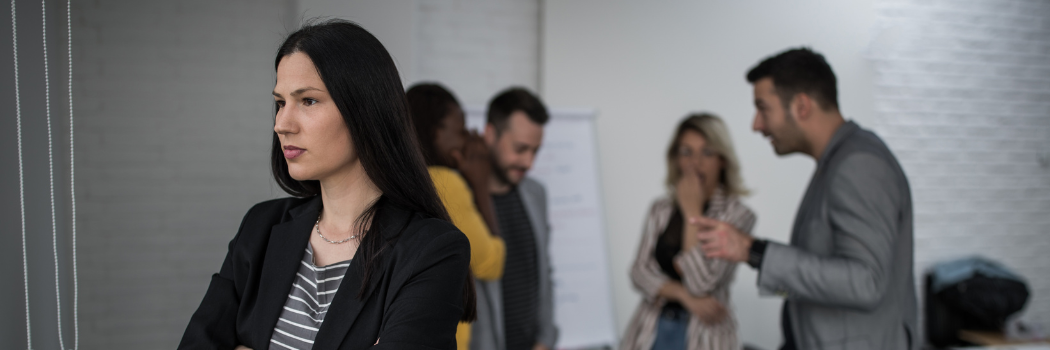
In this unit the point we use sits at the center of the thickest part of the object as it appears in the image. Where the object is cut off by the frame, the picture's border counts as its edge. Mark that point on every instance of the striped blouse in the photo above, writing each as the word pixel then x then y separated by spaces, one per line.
pixel 304 310
pixel 700 276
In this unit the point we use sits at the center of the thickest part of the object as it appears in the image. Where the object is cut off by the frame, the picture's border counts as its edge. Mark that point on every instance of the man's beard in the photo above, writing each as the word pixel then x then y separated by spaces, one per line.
pixel 501 173
pixel 791 139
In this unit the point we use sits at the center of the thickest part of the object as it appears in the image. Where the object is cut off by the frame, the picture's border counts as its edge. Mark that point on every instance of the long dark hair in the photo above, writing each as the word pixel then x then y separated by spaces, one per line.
pixel 430 104
pixel 364 84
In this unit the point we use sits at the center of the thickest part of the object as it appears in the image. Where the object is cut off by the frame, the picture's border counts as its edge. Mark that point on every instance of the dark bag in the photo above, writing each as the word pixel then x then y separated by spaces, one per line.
pixel 984 303
pixel 971 294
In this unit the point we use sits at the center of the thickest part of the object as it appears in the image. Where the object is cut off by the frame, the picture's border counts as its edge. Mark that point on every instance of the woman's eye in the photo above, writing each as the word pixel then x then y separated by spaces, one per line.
pixel 279 104
pixel 309 101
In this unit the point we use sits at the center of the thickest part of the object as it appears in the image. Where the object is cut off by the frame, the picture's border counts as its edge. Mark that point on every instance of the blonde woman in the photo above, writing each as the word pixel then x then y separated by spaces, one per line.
pixel 685 302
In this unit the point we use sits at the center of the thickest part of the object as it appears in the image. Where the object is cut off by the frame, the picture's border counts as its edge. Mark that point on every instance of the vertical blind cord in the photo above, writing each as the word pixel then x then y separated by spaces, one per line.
pixel 72 187
pixel 21 183
pixel 21 173
pixel 51 170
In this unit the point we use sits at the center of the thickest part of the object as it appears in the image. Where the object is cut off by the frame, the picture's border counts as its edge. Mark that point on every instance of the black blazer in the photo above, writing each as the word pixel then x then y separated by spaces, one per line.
pixel 414 303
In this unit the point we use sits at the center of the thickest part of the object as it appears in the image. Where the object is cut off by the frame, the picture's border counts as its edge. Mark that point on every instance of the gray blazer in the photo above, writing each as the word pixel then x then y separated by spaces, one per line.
pixel 847 275
pixel 487 332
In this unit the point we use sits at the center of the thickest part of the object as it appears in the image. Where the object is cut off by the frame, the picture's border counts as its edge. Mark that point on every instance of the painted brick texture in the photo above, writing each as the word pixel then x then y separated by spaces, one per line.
pixel 173 136
pixel 476 47
pixel 963 96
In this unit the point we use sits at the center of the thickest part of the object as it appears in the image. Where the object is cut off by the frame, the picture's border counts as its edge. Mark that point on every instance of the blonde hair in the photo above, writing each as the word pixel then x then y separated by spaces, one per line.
pixel 716 134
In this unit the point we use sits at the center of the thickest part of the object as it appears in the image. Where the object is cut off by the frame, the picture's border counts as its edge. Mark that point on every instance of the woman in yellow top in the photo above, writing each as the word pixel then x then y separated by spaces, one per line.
pixel 459 164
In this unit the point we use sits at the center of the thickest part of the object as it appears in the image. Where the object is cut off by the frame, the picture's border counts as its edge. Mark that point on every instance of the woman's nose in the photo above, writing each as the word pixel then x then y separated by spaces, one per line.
pixel 690 164
pixel 282 123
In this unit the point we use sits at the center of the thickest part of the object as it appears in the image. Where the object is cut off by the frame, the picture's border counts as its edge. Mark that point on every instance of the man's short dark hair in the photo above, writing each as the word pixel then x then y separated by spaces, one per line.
pixel 515 99
pixel 797 71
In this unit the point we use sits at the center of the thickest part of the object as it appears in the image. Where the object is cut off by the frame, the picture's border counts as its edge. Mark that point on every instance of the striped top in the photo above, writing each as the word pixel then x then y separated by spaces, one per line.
pixel 520 283
pixel 701 276
pixel 304 310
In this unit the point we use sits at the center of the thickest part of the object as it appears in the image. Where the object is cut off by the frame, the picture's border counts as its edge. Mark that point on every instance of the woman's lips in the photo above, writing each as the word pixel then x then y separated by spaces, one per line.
pixel 290 152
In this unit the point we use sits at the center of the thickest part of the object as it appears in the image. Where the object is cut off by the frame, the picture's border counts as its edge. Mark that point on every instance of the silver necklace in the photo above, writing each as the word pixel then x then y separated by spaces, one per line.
pixel 317 225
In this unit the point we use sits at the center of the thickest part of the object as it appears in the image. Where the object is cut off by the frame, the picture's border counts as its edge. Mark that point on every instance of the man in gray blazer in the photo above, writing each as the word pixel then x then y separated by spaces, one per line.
pixel 847 275
pixel 517 311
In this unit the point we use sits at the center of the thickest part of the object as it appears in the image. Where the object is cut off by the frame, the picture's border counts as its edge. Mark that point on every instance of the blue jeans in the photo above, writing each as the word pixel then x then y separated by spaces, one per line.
pixel 671 329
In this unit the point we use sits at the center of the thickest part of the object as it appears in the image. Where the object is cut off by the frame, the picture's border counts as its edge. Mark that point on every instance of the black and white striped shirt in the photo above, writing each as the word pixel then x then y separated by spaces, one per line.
pixel 304 310
pixel 520 280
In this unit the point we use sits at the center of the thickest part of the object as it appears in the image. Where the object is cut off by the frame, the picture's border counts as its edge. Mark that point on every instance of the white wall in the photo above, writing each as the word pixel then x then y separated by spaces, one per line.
pixel 474 47
pixel 478 47
pixel 393 22
pixel 963 95
pixel 645 66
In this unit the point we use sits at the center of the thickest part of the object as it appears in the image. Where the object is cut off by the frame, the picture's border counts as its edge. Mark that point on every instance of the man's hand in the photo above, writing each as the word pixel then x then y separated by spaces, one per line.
pixel 242 347
pixel 708 309
pixel 539 346
pixel 720 240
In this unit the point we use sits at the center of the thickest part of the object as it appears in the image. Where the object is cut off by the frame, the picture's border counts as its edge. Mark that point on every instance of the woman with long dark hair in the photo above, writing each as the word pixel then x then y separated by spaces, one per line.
pixel 364 253
pixel 460 165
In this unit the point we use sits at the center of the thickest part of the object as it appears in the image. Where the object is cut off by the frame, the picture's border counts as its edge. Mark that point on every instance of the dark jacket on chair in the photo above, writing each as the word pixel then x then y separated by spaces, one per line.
pixel 414 302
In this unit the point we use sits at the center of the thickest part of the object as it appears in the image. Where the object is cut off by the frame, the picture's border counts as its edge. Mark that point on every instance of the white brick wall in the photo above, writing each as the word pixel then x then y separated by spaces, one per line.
pixel 963 94
pixel 478 47
pixel 474 47
pixel 173 136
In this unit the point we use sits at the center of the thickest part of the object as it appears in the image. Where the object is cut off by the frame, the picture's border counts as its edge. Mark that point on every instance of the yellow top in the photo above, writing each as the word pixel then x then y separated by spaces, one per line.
pixel 487 252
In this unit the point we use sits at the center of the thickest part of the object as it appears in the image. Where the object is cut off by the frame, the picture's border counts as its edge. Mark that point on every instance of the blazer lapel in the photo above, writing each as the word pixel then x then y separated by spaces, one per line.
pixel 536 214
pixel 284 251
pixel 811 199
pixel 346 307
